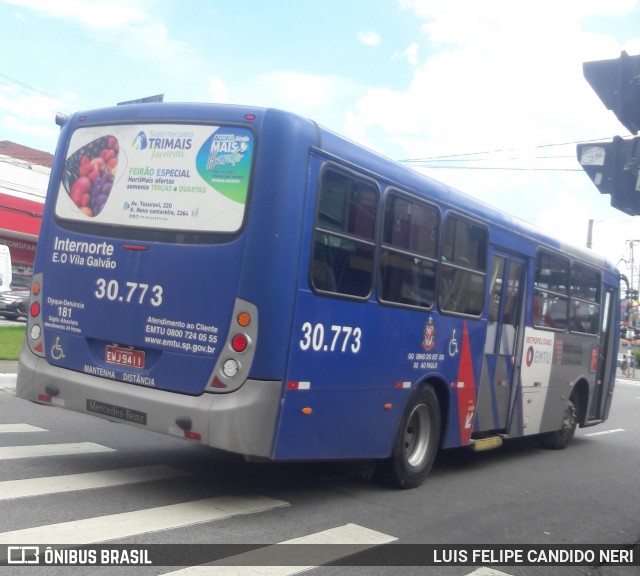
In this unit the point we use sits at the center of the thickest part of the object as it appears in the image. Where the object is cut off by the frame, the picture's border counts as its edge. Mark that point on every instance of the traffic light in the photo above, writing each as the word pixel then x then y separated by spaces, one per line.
pixel 613 167
pixel 617 84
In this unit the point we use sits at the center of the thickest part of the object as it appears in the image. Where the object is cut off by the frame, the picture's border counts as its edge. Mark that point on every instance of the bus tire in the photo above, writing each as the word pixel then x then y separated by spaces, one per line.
pixel 417 441
pixel 560 439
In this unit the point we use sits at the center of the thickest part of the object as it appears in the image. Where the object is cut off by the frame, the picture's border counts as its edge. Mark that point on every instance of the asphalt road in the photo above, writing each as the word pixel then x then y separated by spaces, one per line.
pixel 519 494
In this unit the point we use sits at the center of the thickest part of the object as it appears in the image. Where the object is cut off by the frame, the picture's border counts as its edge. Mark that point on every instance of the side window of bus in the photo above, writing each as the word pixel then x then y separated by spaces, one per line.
pixel 550 307
pixel 409 252
pixel 463 267
pixel 342 260
pixel 585 299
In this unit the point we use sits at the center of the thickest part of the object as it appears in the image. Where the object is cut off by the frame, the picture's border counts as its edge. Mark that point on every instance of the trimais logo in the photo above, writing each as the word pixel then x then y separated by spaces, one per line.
pixel 160 142
pixel 140 142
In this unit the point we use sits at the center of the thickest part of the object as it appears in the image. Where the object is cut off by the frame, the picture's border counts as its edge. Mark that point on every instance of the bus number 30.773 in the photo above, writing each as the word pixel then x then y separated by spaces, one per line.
pixel 336 339
pixel 133 292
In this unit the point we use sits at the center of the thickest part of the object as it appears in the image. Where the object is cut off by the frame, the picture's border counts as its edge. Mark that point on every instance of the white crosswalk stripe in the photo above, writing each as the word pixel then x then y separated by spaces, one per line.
pixel 37 451
pixel 126 524
pixel 11 489
pixel 16 428
pixel 256 562
pixel 8 382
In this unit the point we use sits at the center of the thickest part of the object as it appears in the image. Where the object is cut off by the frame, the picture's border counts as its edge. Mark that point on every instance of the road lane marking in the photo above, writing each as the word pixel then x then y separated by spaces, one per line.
pixel 605 432
pixel 11 489
pixel 8 382
pixel 39 450
pixel 255 562
pixel 11 428
pixel 487 572
pixel 126 524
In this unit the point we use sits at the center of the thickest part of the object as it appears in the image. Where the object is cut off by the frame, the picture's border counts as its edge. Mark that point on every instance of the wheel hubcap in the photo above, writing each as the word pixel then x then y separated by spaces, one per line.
pixel 416 436
pixel 570 417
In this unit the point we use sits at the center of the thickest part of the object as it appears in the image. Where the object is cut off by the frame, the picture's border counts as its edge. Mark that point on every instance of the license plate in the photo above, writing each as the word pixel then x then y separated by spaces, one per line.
pixel 124 356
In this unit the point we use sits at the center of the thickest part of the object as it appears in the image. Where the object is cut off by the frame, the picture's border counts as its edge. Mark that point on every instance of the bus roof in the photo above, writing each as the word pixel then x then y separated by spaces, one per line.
pixel 333 144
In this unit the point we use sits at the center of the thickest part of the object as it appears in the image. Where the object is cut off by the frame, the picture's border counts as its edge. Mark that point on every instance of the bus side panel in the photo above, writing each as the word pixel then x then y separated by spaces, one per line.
pixel 354 363
pixel 273 235
pixel 337 387
pixel 353 366
pixel 552 364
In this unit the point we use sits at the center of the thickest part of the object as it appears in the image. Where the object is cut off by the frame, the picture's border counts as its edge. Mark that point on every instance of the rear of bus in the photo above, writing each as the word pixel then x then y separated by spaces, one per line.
pixel 149 266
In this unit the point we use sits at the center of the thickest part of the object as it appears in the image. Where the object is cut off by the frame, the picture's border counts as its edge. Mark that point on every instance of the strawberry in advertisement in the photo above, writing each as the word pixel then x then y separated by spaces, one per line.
pixel 89 174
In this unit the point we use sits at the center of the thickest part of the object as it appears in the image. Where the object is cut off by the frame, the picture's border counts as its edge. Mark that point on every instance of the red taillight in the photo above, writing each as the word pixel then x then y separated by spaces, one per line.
pixel 135 247
pixel 34 309
pixel 239 342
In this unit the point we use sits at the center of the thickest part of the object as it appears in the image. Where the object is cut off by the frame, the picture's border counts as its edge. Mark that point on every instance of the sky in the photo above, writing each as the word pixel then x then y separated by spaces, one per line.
pixel 487 96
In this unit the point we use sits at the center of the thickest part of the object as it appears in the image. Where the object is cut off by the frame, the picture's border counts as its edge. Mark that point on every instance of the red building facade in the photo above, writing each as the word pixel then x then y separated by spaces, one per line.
pixel 24 174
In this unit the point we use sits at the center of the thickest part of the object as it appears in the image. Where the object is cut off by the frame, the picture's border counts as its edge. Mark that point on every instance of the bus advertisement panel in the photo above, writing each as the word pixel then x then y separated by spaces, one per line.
pixel 159 176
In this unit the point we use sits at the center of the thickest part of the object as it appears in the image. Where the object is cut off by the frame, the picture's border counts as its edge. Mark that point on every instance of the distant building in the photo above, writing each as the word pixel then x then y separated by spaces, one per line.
pixel 24 176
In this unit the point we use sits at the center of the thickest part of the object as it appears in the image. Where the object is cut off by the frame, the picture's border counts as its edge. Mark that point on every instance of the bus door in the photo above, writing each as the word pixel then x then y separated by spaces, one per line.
pixel 606 356
pixel 503 346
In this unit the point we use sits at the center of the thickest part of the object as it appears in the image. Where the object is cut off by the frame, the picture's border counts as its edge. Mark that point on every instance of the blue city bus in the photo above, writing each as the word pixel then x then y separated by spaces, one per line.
pixel 246 279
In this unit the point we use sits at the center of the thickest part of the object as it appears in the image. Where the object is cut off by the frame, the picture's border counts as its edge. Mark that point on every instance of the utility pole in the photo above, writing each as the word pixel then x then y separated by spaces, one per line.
pixel 631 251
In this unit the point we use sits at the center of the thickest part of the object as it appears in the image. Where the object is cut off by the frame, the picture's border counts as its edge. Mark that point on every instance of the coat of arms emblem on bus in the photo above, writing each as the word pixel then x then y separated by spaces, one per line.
pixel 429 335
pixel 89 174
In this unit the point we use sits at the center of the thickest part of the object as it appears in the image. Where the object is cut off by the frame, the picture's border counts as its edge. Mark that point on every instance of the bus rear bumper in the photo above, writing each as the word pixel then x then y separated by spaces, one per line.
pixel 243 421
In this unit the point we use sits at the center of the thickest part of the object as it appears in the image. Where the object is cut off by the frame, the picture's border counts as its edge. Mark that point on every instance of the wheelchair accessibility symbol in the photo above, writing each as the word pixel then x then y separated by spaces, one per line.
pixel 57 351
pixel 453 344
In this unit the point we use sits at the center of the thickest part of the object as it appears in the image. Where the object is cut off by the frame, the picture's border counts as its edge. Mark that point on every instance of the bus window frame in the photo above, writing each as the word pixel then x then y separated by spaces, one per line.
pixel 547 291
pixel 383 245
pixel 467 271
pixel 575 299
pixel 372 243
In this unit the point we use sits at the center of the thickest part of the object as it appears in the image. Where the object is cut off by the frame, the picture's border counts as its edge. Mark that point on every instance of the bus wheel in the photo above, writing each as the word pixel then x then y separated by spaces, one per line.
pixel 560 439
pixel 416 442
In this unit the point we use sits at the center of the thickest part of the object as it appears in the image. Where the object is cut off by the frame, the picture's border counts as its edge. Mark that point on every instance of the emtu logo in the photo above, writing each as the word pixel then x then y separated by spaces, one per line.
pixel 140 142
pixel 530 356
